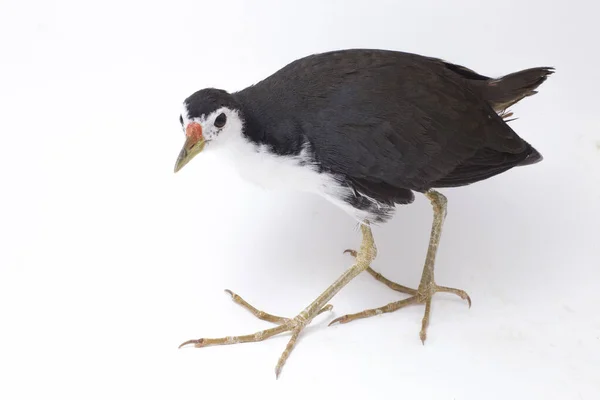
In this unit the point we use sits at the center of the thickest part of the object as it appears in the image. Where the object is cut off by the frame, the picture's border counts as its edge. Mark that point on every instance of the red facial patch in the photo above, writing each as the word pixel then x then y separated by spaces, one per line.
pixel 194 131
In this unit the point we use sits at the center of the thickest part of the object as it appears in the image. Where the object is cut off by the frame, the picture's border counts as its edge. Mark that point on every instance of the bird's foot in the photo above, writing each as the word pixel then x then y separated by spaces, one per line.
pixel 423 295
pixel 293 325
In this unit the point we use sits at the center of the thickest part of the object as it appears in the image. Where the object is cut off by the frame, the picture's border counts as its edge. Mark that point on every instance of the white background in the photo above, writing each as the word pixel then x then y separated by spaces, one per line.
pixel 108 260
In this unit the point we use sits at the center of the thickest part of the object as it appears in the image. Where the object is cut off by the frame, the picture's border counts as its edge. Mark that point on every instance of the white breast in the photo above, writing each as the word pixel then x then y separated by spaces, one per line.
pixel 294 173
pixel 270 171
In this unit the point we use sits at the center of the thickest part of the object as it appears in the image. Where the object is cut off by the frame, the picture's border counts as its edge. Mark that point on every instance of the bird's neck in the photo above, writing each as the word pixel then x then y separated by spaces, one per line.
pixel 253 128
pixel 268 126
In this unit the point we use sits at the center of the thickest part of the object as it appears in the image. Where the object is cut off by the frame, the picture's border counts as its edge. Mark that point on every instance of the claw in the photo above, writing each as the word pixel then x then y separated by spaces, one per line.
pixel 460 293
pixel 195 342
pixel 353 253
pixel 342 320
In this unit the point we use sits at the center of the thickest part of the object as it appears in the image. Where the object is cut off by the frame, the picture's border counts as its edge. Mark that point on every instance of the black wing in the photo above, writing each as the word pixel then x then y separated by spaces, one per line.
pixel 392 122
pixel 412 123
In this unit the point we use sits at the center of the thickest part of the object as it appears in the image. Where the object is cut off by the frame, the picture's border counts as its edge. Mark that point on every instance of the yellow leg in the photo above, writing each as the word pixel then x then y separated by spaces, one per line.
pixel 427 287
pixel 295 325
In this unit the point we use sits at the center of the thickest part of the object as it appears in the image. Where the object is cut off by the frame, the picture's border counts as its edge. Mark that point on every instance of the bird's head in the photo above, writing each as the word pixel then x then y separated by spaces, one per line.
pixel 208 117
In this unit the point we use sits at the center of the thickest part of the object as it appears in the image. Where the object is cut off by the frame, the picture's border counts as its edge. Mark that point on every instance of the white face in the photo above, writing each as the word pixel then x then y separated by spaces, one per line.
pixel 217 127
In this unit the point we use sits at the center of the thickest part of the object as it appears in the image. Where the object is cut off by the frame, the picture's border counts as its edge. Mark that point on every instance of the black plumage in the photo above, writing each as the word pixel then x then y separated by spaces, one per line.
pixel 365 129
pixel 385 123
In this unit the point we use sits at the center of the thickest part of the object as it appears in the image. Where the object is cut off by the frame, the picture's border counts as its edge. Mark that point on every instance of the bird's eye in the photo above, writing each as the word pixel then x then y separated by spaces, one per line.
pixel 220 121
pixel 181 120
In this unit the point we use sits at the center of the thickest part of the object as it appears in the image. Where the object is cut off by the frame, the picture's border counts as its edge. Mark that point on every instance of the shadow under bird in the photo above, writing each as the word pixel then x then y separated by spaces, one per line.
pixel 365 129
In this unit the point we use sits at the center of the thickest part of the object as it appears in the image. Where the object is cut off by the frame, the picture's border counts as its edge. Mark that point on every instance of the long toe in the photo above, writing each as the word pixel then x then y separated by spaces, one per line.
pixel 423 297
pixel 388 308
pixel 295 325
pixel 460 293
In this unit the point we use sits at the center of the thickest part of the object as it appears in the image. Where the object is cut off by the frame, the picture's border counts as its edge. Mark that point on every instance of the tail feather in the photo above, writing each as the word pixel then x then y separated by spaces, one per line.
pixel 500 93
pixel 505 91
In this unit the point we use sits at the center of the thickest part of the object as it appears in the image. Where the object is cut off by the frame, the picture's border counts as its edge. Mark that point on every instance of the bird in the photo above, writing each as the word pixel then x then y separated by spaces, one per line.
pixel 366 129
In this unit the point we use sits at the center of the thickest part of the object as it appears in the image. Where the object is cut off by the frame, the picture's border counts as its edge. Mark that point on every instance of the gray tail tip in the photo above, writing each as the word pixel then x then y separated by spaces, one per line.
pixel 548 70
pixel 545 72
pixel 536 75
pixel 533 157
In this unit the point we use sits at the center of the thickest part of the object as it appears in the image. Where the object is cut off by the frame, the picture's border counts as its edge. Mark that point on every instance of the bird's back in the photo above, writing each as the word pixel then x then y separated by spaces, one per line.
pixel 390 122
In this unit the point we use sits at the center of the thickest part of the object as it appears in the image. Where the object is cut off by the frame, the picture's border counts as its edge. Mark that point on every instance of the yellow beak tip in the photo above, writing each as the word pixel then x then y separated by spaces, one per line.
pixel 187 153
